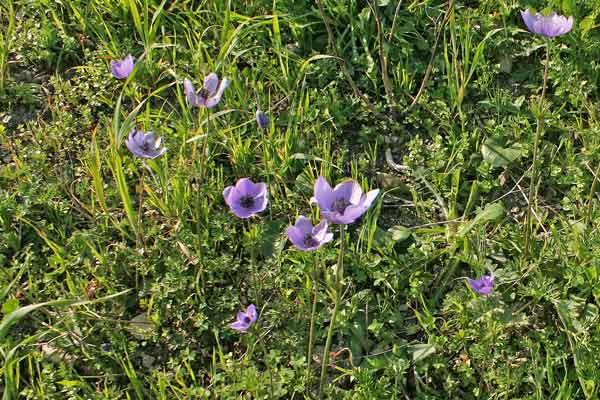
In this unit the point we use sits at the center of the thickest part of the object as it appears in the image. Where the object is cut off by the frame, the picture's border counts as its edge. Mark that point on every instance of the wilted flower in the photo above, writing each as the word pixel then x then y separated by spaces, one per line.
pixel 122 68
pixel 307 238
pixel 483 285
pixel 245 319
pixel 262 120
pixel 343 204
pixel 144 145
pixel 549 26
pixel 210 94
pixel 246 198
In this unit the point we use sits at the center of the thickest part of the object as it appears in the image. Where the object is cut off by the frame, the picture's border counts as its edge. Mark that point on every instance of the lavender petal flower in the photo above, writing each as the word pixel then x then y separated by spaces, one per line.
pixel 211 81
pixel 144 145
pixel 343 204
pixel 483 285
pixel 550 26
pixel 246 198
pixel 306 237
pixel 245 319
pixel 190 94
pixel 210 94
pixel 262 120
pixel 121 69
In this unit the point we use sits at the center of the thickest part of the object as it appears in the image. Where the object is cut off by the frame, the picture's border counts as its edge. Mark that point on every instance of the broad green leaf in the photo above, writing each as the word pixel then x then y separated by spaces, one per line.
pixel 497 155
pixel 568 7
pixel 10 306
pixel 357 340
pixel 421 351
pixel 587 24
pixel 391 181
pixel 399 233
pixel 140 326
pixel 271 240
pixel 491 212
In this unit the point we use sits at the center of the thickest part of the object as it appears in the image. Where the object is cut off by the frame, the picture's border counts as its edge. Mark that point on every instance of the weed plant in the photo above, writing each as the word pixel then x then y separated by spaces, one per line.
pixel 121 274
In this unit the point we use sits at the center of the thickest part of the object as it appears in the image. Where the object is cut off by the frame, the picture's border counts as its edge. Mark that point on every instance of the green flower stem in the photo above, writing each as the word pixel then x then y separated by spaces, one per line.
pixel 140 239
pixel 140 201
pixel 254 282
pixel 339 277
pixel 315 290
pixel 534 169
pixel 257 285
pixel 204 150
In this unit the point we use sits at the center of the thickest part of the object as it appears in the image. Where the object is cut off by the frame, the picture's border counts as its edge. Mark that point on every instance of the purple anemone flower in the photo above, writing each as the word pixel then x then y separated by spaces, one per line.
pixel 210 94
pixel 343 204
pixel 144 145
pixel 246 198
pixel 122 68
pixel 306 237
pixel 262 120
pixel 245 319
pixel 550 26
pixel 483 285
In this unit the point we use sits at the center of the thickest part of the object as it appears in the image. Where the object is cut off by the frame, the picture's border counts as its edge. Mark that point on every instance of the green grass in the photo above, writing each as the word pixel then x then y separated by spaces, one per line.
pixel 118 277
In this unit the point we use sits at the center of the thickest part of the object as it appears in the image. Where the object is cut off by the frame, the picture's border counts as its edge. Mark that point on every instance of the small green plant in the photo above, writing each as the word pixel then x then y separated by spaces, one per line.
pixel 473 275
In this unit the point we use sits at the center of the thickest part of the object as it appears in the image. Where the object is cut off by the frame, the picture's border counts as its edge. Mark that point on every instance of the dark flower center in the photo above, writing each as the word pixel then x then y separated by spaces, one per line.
pixel 146 145
pixel 247 319
pixel 247 202
pixel 340 205
pixel 310 241
pixel 204 93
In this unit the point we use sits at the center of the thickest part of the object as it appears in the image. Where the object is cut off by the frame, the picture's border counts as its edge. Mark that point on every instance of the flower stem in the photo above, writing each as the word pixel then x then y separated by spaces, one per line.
pixel 315 290
pixel 203 153
pixel 254 282
pixel 266 143
pixel 140 232
pixel 339 277
pixel 140 202
pixel 534 169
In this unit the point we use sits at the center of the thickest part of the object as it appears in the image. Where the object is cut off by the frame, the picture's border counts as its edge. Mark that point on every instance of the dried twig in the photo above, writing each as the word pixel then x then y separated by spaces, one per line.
pixel 391 35
pixel 389 91
pixel 389 159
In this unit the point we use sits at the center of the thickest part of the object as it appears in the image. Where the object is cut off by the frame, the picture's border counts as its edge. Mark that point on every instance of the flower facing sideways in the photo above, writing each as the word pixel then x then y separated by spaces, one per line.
pixel 122 68
pixel 483 285
pixel 246 198
pixel 144 145
pixel 343 204
pixel 262 119
pixel 245 319
pixel 306 237
pixel 550 26
pixel 210 94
